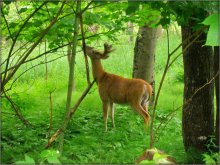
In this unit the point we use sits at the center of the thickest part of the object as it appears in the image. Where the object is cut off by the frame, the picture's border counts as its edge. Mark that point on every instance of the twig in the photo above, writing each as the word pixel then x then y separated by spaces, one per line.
pixel 33 47
pixel 87 6
pixel 158 92
pixel 187 102
pixel 187 46
pixel 41 63
pixel 6 22
pixel 84 47
pixel 17 111
pixel 15 39
pixel 8 113
pixel 69 116
pixel 51 112
pixel 196 34
pixel 45 59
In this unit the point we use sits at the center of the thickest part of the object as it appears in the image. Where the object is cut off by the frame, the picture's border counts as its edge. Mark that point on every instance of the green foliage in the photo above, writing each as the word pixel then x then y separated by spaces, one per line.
pixel 50 156
pixel 85 139
pixel 8 1
pixel 28 160
pixel 213 158
pixel 213 32
pixel 158 158
pixel 46 156
pixel 142 13
pixel 132 7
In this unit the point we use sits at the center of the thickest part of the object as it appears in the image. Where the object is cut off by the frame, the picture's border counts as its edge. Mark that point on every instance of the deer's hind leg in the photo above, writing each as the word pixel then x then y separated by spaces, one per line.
pixel 138 107
pixel 112 111
pixel 145 103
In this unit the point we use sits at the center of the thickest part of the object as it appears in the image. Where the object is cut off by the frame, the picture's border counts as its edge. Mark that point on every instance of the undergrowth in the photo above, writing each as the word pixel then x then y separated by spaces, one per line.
pixel 85 139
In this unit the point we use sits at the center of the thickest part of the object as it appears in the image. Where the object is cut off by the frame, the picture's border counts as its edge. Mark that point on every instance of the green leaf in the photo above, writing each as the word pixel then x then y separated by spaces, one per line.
pixel 53 159
pixel 132 7
pixel 23 9
pixel 7 2
pixel 213 33
pixel 28 160
pixel 51 156
pixel 147 162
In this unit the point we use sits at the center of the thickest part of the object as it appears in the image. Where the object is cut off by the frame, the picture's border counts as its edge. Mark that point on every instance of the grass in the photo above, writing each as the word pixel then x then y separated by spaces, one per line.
pixel 85 139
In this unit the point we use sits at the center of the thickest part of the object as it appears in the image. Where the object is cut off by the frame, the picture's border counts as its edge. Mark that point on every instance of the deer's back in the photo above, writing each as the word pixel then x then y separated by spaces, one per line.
pixel 121 90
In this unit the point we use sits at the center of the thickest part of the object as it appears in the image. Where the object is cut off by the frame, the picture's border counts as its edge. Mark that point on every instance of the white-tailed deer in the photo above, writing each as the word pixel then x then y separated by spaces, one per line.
pixel 116 89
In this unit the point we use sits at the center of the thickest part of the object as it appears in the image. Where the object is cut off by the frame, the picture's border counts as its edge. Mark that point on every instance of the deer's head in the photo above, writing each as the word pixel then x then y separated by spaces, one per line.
pixel 96 54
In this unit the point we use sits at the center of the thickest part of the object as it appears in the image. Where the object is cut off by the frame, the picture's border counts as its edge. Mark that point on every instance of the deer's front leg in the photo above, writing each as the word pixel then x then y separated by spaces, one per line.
pixel 105 114
pixel 112 111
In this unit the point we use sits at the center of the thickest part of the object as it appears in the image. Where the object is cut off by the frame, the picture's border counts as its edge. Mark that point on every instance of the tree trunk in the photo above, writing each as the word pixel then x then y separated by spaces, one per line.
pixel 144 55
pixel 45 59
pixel 130 31
pixel 197 117
pixel 216 70
pixel 0 51
pixel 70 55
pixel 72 59
pixel 71 72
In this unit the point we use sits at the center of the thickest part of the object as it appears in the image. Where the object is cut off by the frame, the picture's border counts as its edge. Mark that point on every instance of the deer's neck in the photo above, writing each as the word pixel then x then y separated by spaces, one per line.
pixel 97 69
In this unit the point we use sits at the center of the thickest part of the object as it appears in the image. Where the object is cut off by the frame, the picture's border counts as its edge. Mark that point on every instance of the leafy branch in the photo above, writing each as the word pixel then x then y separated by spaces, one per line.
pixel 69 116
pixel 15 39
pixel 25 56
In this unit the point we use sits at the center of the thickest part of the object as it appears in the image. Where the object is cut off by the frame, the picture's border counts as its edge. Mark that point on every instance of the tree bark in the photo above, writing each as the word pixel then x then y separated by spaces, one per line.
pixel 72 59
pixel 216 70
pixel 197 117
pixel 130 31
pixel 144 55
pixel 70 55
pixel 71 72
pixel 1 50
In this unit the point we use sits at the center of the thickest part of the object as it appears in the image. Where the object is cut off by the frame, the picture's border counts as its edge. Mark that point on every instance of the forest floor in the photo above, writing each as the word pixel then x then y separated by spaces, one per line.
pixel 85 138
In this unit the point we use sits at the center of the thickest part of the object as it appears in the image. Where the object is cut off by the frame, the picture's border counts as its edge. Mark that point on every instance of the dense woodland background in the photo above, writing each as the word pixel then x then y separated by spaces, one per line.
pixel 45 74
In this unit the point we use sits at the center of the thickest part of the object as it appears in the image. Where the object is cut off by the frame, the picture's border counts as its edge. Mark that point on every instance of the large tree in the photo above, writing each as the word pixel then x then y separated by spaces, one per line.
pixel 198 118
pixel 216 72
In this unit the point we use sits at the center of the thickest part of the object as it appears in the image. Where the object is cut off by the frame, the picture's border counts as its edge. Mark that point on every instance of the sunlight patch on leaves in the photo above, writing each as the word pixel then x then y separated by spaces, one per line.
pixel 213 33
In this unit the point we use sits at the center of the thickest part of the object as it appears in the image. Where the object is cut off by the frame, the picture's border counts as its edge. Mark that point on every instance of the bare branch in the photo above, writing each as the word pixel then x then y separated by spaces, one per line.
pixel 6 22
pixel 187 101
pixel 69 115
pixel 84 48
pixel 51 112
pixel 87 6
pixel 17 110
pixel 32 48
pixel 30 69
pixel 168 64
pixel 16 37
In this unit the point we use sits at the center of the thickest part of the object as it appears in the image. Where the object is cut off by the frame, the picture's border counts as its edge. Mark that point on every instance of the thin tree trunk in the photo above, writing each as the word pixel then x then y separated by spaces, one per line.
pixel 0 52
pixel 130 31
pixel 144 55
pixel 70 55
pixel 60 131
pixel 72 61
pixel 198 117
pixel 45 59
pixel 71 71
pixel 216 70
